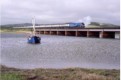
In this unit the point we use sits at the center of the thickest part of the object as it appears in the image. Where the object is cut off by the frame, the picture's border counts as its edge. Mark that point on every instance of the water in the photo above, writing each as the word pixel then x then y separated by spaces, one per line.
pixel 59 52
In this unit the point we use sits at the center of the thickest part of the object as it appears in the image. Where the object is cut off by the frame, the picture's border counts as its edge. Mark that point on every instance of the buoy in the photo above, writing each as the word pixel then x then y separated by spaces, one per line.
pixel 34 39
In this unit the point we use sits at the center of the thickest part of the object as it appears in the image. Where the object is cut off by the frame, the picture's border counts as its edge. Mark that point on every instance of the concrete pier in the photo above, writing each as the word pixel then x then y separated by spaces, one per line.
pixel 117 35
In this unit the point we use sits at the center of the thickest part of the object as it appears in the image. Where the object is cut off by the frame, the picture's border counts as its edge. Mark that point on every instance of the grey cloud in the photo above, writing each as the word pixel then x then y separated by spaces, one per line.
pixel 59 11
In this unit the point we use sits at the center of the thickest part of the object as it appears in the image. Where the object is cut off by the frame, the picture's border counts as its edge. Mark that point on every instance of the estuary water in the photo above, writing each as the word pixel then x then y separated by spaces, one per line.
pixel 59 52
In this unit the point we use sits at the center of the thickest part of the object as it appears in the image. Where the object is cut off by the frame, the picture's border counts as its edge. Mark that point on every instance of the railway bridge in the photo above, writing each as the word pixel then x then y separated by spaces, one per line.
pixel 82 32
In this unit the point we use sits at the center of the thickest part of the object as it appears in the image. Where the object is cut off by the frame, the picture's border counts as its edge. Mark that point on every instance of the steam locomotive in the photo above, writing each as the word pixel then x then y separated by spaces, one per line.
pixel 66 25
pixel 82 25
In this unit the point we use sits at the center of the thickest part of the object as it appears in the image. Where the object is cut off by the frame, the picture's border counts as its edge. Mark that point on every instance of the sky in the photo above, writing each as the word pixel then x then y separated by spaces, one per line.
pixel 59 11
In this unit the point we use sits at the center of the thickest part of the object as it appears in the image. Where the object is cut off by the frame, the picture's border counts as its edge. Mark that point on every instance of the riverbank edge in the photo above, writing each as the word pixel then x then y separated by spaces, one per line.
pixel 8 73
pixel 15 31
pixel 12 30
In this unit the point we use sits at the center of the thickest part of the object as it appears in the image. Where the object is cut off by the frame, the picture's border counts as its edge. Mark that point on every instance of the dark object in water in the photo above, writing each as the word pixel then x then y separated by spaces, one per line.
pixel 34 40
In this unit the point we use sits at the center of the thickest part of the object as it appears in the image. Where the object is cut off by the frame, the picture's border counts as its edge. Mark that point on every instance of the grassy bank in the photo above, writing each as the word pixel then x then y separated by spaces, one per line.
pixel 9 29
pixel 58 74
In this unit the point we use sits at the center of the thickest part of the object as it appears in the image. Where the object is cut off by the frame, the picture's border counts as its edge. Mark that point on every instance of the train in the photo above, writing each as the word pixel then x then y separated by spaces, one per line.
pixel 82 25
pixel 65 25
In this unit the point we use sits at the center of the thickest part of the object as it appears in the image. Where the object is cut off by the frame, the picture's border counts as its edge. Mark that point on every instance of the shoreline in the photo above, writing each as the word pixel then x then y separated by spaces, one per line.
pixel 15 32
pixel 12 30
pixel 58 68
pixel 8 73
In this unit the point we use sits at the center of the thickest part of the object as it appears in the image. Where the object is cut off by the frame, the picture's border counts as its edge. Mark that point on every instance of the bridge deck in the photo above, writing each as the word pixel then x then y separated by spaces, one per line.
pixel 85 32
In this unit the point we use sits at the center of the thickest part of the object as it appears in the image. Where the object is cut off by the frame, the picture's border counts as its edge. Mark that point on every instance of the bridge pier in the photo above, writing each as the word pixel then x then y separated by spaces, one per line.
pixel 117 35
pixel 76 33
pixel 88 34
pixel 101 34
pixel 66 33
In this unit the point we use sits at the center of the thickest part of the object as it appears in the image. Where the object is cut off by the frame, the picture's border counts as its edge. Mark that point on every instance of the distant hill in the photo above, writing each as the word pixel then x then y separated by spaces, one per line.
pixel 18 25
pixel 92 25
pixel 102 25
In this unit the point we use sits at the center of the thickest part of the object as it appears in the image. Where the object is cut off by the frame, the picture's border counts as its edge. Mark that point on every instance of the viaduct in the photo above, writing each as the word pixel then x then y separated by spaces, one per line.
pixel 113 33
pixel 79 32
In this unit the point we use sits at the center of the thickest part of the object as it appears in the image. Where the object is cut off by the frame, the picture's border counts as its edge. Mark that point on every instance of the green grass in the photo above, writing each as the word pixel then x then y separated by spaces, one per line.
pixel 59 74
pixel 103 72
pixel 14 30
pixel 11 76
pixel 92 26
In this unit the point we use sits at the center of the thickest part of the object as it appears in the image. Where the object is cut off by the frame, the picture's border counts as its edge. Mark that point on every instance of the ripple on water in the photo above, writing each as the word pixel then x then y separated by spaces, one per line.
pixel 60 52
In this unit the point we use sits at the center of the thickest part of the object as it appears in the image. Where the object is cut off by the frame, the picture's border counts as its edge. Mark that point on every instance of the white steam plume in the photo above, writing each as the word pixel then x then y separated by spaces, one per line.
pixel 86 20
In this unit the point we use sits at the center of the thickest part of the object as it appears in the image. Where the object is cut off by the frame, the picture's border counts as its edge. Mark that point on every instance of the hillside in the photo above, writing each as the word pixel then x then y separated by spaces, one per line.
pixel 92 25
pixel 102 25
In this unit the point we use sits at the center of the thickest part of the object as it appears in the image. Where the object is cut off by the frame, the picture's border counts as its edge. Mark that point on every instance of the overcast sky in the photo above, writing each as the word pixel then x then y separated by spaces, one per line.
pixel 59 11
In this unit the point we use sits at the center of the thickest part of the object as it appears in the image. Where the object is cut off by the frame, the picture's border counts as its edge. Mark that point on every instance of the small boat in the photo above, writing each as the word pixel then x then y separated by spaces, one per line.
pixel 34 39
